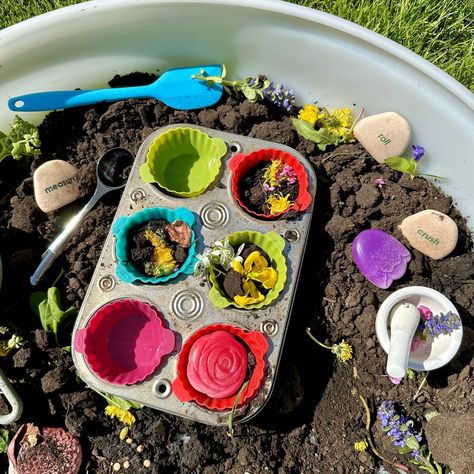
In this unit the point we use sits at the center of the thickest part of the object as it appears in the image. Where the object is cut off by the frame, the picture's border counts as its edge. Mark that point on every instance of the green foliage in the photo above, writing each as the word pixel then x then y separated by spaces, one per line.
pixel 408 166
pixel 119 402
pixel 321 137
pixel 23 140
pixel 251 88
pixel 4 439
pixel 230 416
pixel 47 305
pixel 14 342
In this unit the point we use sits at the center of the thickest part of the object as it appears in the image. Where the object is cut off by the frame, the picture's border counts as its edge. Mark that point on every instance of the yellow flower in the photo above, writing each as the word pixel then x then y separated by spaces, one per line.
pixel 310 113
pixel 361 446
pixel 123 415
pixel 338 121
pixel 278 203
pixel 255 268
pixel 343 351
pixel 271 174
pixel 163 262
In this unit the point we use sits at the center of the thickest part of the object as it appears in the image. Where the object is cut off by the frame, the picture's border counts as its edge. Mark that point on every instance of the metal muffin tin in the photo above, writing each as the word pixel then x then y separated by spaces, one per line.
pixel 184 301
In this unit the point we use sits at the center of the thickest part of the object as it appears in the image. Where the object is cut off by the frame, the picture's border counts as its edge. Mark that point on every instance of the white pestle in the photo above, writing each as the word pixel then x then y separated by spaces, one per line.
pixel 405 320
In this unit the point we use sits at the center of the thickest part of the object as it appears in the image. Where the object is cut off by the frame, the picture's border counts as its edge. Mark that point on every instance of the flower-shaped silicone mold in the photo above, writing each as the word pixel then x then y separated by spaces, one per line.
pixel 124 341
pixel 183 161
pixel 241 163
pixel 125 269
pixel 213 365
pixel 271 243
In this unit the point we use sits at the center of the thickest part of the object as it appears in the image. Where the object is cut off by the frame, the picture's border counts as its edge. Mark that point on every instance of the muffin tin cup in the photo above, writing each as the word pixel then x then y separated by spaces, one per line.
pixel 183 161
pixel 242 163
pixel 125 341
pixel 126 270
pixel 184 301
pixel 257 344
pixel 273 245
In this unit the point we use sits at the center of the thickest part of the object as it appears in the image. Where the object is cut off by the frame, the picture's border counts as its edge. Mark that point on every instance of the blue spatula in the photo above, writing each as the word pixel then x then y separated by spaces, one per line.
pixel 176 88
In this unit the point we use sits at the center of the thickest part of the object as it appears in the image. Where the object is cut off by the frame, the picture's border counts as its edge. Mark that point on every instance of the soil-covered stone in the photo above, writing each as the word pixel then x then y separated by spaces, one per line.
pixel 314 415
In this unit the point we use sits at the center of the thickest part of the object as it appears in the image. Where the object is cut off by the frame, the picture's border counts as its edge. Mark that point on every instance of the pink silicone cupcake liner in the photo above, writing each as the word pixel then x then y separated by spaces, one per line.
pixel 125 341
pixel 241 163
pixel 255 341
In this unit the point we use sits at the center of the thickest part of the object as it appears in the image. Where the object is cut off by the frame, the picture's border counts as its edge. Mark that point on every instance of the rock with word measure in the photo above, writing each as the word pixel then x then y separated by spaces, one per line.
pixel 384 135
pixel 431 232
pixel 55 184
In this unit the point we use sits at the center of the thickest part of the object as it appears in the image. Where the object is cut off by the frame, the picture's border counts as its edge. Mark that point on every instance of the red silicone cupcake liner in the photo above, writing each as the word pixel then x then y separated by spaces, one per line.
pixel 125 341
pixel 255 341
pixel 241 163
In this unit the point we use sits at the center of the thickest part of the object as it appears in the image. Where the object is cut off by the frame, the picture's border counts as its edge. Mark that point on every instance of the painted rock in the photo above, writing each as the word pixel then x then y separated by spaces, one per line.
pixel 384 135
pixel 55 184
pixel 431 232
pixel 380 257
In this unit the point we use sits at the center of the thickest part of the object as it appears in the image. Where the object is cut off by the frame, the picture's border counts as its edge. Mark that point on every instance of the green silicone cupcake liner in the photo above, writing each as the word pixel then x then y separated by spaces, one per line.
pixel 183 161
pixel 273 244
pixel 125 269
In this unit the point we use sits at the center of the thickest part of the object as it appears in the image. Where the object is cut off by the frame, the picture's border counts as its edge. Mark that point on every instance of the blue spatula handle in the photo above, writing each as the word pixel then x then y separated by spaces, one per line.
pixel 66 99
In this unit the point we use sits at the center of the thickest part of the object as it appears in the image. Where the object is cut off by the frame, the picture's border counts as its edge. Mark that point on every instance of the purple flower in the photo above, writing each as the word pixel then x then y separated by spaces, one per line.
pixel 418 152
pixel 425 312
pixel 395 380
pixel 267 188
pixel 279 96
pixel 442 324
pixel 379 182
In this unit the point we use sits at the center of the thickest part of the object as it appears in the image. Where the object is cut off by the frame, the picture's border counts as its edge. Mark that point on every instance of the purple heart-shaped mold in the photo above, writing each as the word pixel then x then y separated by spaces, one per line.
pixel 380 257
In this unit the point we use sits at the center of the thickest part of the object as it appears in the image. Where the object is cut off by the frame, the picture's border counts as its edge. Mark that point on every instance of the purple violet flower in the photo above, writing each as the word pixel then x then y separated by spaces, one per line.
pixel 267 188
pixel 395 380
pixel 418 152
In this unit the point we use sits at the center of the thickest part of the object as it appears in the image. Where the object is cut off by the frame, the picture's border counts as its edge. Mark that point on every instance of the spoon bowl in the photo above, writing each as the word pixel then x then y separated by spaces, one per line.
pixel 113 169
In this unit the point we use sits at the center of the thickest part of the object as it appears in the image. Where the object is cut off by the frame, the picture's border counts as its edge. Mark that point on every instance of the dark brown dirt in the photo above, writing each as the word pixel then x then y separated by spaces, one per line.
pixel 314 416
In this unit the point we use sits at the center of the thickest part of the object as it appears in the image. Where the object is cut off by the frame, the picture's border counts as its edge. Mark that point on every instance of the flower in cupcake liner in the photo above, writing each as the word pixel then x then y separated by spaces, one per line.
pixel 254 270
pixel 278 203
pixel 162 262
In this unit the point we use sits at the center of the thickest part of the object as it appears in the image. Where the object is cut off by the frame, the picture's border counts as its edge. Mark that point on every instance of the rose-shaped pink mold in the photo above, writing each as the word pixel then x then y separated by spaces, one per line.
pixel 217 364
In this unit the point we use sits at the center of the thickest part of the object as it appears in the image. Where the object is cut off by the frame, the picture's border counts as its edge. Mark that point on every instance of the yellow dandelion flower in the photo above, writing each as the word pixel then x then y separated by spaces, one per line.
pixel 123 415
pixel 338 121
pixel 343 351
pixel 360 446
pixel 279 203
pixel 310 113
pixel 271 174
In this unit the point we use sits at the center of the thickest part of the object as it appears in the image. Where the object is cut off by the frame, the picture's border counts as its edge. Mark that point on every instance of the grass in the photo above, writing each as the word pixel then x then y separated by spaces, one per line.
pixel 441 31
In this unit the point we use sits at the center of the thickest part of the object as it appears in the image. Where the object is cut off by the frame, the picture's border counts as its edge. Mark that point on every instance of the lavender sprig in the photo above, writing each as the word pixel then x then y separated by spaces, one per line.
pixel 441 324
pixel 406 438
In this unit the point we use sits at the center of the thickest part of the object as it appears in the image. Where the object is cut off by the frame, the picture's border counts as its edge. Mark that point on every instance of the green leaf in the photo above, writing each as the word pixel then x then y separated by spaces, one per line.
pixel 404 450
pixel 23 140
pixel 120 402
pixel 412 443
pixel 321 137
pixel 48 307
pixel 4 438
pixel 250 94
pixel 398 163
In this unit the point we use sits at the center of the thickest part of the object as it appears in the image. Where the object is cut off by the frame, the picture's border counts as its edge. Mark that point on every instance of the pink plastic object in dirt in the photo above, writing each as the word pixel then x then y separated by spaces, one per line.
pixel 125 341
pixel 254 340
pixel 241 163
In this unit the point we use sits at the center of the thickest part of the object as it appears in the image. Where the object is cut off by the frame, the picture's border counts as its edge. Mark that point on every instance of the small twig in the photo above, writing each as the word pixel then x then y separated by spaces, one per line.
pixel 356 120
pixel 230 416
pixel 369 438
pixel 425 378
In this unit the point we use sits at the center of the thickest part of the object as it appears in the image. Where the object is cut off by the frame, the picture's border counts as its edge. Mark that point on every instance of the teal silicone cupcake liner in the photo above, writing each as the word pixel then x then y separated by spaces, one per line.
pixel 125 269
